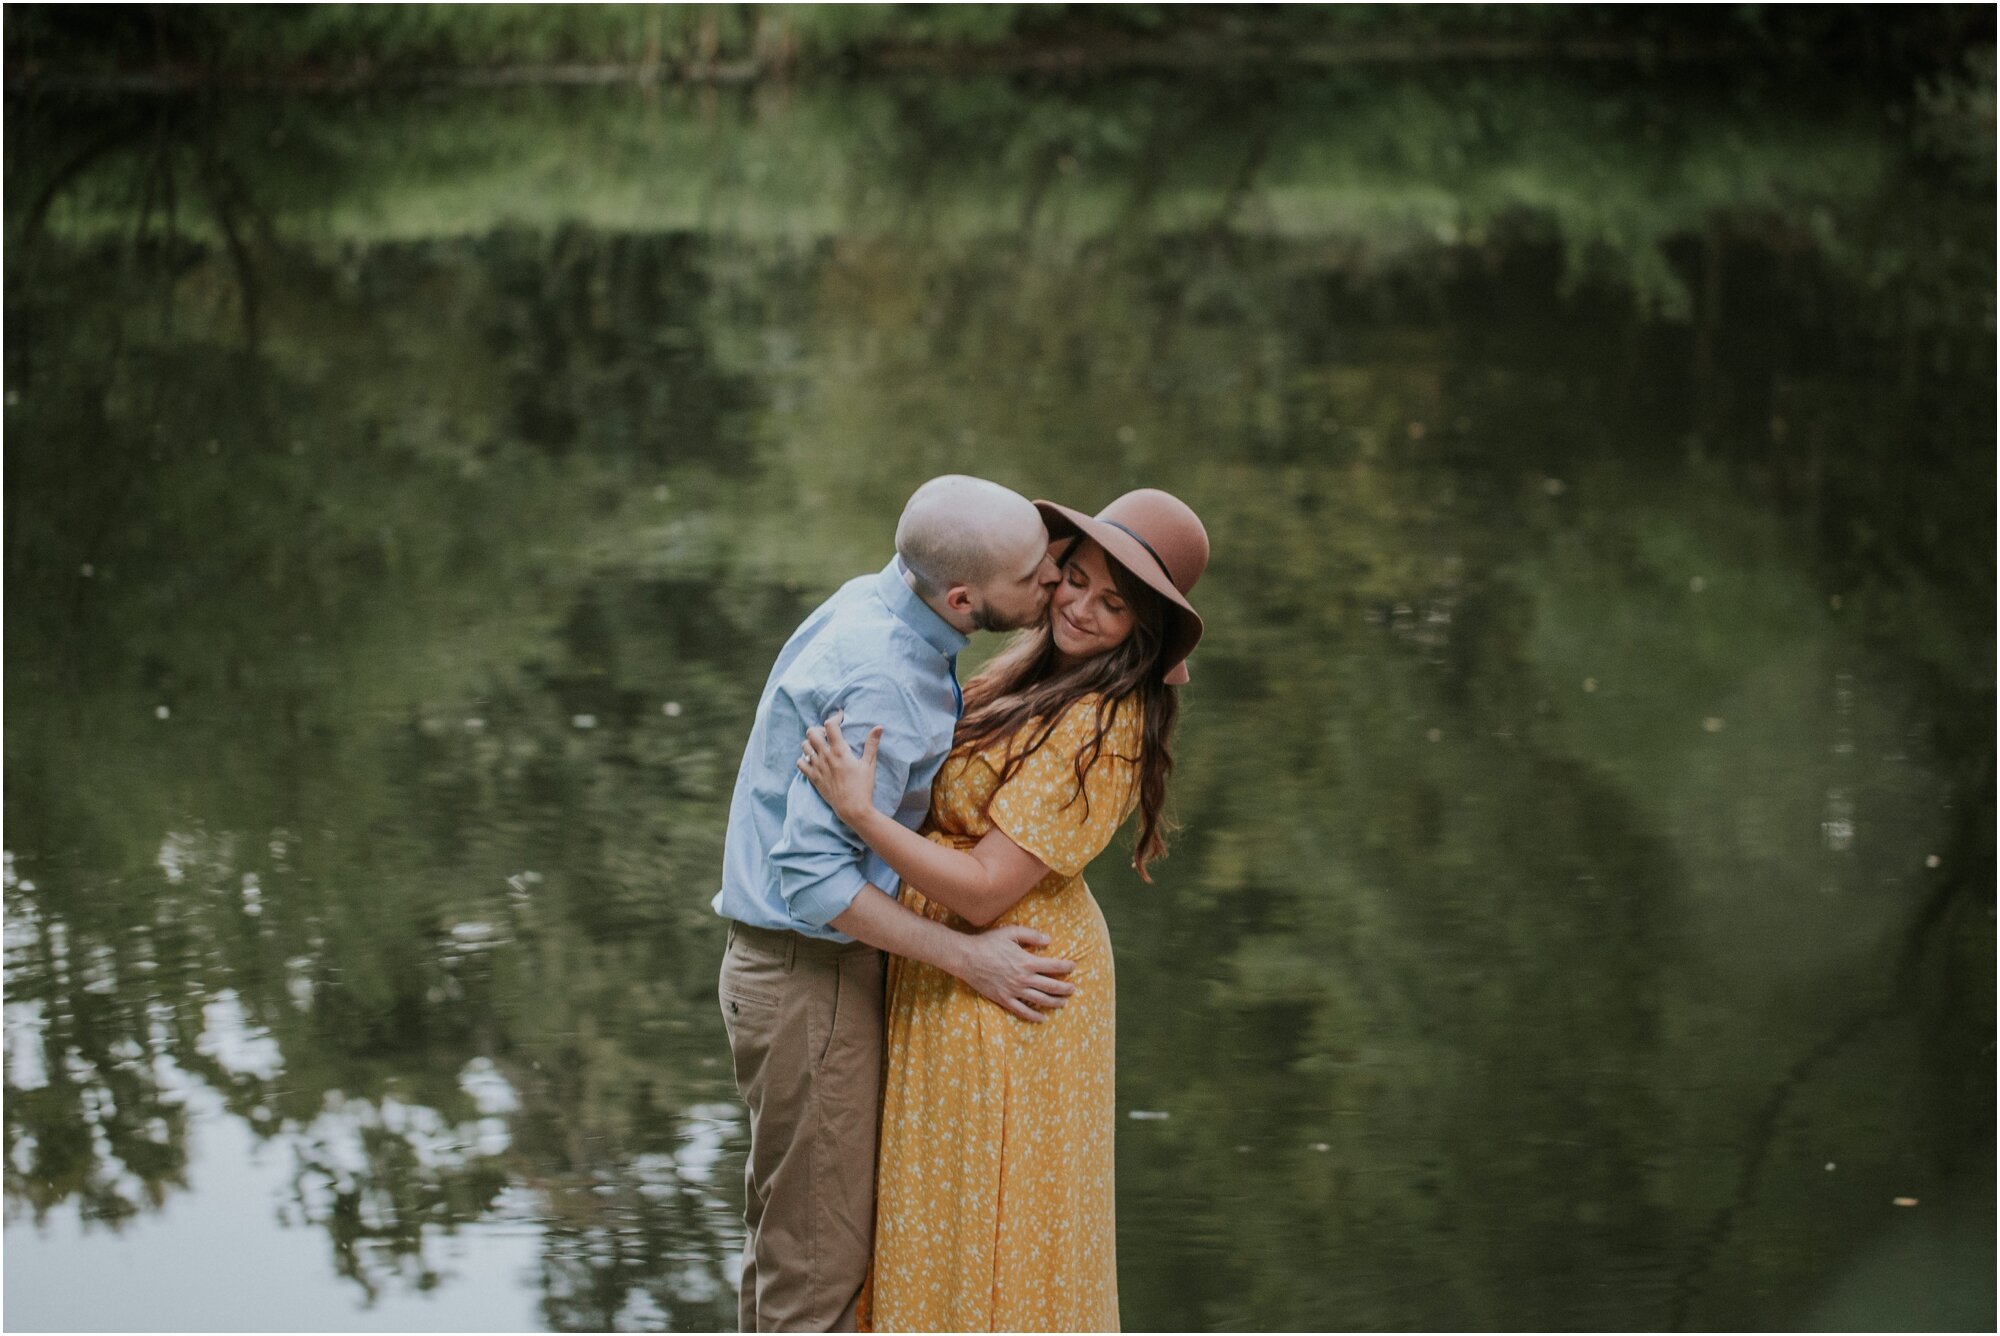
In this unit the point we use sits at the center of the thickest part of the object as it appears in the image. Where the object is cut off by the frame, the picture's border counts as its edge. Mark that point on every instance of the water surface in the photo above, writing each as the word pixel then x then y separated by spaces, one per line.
pixel 1583 916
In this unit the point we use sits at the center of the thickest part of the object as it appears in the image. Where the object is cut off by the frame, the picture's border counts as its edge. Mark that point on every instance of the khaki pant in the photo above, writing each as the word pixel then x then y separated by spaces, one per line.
pixel 805 1033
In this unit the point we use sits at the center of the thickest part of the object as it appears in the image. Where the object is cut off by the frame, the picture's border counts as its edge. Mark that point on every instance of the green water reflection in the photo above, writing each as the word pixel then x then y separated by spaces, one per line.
pixel 1584 914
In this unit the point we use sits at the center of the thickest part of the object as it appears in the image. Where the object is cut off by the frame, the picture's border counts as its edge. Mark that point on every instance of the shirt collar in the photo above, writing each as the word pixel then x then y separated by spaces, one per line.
pixel 915 613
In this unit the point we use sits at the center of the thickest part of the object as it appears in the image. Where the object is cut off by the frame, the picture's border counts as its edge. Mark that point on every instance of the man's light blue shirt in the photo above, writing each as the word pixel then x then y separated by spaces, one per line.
pixel 878 652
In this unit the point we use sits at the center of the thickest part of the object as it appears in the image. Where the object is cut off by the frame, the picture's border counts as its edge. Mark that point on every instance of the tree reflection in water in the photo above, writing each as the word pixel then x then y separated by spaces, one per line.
pixel 401 521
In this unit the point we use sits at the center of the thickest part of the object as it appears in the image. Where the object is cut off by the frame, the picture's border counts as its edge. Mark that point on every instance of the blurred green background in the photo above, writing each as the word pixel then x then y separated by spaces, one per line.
pixel 424 424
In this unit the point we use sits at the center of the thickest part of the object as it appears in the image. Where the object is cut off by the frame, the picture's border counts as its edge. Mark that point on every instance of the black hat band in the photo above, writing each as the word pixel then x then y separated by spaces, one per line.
pixel 1149 550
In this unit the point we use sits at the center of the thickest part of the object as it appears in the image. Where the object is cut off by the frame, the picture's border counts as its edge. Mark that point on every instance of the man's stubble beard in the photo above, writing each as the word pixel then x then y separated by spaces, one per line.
pixel 984 620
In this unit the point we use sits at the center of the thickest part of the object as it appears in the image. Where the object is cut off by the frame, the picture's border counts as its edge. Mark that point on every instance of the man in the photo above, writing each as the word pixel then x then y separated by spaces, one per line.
pixel 811 908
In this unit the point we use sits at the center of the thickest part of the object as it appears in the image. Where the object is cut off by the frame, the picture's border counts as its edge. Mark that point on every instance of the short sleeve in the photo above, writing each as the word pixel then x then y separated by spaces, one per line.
pixel 1039 808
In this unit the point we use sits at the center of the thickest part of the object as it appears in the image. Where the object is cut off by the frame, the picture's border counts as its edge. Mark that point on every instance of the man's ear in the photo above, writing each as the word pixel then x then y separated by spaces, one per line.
pixel 959 599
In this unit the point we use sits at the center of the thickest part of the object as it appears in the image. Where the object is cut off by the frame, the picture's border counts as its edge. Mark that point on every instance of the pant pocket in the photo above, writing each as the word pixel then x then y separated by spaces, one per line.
pixel 748 984
pixel 840 989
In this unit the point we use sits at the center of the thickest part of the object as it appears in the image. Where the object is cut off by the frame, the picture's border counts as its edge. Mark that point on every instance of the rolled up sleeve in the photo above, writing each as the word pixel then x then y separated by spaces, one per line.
pixel 818 860
pixel 819 857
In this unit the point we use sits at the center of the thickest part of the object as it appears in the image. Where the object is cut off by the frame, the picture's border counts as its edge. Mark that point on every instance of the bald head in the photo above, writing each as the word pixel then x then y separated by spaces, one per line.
pixel 961 530
pixel 980 548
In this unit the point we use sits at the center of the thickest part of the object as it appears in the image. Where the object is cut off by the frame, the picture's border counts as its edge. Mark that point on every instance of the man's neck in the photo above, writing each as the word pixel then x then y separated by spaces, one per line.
pixel 958 622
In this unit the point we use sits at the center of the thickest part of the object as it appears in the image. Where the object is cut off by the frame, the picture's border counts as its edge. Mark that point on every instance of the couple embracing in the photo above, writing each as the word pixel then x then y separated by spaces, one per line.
pixel 914 959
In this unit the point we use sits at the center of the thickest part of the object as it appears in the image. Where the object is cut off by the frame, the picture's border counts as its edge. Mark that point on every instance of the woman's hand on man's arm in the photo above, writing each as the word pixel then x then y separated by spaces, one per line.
pixel 979 885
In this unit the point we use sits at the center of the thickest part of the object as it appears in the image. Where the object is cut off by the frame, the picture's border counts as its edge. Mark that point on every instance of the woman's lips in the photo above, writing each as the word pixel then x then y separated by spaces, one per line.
pixel 1074 629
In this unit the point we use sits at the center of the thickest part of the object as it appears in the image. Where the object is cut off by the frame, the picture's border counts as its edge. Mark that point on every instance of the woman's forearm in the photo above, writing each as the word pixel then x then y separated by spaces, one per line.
pixel 945 874
pixel 954 878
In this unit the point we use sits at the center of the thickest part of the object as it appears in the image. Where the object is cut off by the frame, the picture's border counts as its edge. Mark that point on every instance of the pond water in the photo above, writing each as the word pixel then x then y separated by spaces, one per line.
pixel 1583 916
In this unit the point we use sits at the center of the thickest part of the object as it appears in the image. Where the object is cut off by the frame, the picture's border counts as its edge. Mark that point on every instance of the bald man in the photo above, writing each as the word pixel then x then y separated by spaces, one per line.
pixel 812 909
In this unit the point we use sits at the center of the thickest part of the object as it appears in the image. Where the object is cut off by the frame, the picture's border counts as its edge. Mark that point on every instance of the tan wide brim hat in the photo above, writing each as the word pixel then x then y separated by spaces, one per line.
pixel 1161 541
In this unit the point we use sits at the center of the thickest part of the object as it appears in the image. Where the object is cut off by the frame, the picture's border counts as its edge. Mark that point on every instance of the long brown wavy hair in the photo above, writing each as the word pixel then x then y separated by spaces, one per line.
pixel 1028 682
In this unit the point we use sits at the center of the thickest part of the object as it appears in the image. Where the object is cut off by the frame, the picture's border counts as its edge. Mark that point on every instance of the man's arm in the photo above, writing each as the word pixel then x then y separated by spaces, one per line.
pixel 818 858
pixel 818 861
pixel 996 964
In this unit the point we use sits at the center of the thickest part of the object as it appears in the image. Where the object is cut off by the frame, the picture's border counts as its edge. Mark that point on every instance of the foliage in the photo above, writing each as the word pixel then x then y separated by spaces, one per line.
pixel 358 41
pixel 1386 168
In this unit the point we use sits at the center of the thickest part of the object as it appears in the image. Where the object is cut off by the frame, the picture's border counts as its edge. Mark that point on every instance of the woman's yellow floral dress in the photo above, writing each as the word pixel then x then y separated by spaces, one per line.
pixel 994 1208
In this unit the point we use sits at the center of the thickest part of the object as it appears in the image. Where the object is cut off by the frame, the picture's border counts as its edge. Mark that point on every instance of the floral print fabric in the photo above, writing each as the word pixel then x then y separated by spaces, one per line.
pixel 994 1205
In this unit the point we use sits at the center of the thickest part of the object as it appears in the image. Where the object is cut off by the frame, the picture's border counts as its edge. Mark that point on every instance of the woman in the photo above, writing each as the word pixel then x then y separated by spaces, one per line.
pixel 994 1206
